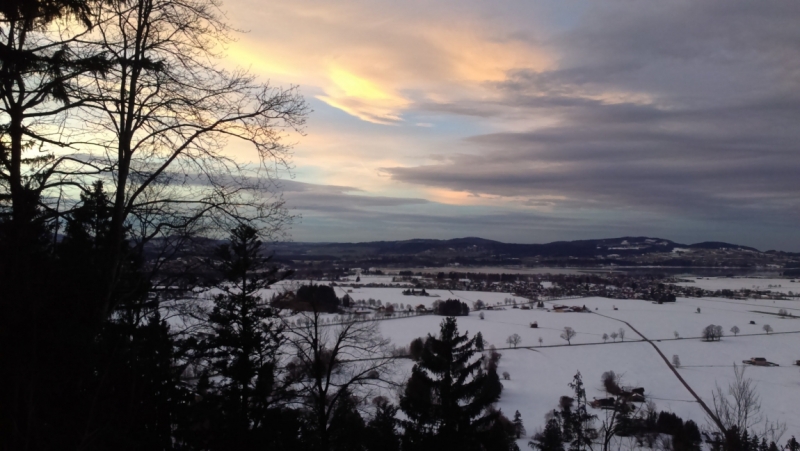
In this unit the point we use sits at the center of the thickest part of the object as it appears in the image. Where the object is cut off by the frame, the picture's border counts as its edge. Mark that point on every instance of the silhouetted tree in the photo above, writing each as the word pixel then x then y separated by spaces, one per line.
pixel 581 421
pixel 415 348
pixel 334 363
pixel 246 391
pixel 519 428
pixel 550 439
pixel 448 396
pixel 381 433
pixel 322 296
pixel 451 307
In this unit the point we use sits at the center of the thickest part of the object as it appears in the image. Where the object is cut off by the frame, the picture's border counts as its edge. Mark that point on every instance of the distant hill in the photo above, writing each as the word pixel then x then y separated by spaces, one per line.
pixel 623 245
pixel 472 250
pixel 622 251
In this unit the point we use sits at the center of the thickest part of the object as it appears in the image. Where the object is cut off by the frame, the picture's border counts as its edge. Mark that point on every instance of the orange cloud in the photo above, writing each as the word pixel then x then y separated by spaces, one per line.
pixel 373 63
pixel 363 98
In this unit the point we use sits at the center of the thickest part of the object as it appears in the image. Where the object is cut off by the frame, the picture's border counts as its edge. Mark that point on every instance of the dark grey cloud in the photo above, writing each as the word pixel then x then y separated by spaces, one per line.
pixel 674 109
pixel 334 198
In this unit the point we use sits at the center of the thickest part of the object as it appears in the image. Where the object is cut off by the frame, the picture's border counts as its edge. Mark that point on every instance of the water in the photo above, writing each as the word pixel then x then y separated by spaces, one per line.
pixel 638 270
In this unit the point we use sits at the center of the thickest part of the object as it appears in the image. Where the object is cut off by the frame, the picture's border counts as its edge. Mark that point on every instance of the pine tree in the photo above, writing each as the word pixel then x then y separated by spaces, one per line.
pixel 733 440
pixel 582 422
pixel 519 428
pixel 565 416
pixel 448 396
pixel 550 439
pixel 792 444
pixel 381 433
pixel 347 428
pixel 244 348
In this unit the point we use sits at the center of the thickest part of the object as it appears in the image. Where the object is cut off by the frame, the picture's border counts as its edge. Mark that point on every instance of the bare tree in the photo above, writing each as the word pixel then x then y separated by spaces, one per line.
pixel 42 56
pixel 568 334
pixel 336 362
pixel 540 341
pixel 767 328
pixel 163 114
pixel 677 335
pixel 783 312
pixel 605 338
pixel 620 412
pixel 621 334
pixel 735 330
pixel 514 340
pixel 614 336
pixel 740 406
pixel 676 361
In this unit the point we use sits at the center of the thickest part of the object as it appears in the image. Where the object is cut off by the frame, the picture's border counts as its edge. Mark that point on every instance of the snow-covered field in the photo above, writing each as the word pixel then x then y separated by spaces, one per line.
pixel 540 374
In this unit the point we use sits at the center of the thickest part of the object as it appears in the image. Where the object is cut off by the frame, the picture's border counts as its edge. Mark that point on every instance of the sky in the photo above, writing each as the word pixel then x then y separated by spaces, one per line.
pixel 533 121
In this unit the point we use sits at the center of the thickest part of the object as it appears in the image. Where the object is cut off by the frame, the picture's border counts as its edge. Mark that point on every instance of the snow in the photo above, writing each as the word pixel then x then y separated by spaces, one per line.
pixel 539 375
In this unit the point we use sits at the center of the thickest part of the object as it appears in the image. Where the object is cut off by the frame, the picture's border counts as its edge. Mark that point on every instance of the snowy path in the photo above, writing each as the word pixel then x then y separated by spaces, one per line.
pixel 674 371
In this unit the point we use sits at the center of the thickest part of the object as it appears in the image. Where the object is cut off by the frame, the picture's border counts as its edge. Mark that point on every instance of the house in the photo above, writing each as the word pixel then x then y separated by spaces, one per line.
pixel 603 403
pixel 759 361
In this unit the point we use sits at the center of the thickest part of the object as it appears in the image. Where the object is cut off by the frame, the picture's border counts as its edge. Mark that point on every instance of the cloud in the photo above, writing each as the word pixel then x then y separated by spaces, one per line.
pixel 333 198
pixel 683 109
pixel 377 60
pixel 679 117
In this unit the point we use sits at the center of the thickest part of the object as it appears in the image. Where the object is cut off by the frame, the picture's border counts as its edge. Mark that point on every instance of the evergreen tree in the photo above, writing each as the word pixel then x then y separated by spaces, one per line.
pixel 448 397
pixel 347 428
pixel 519 428
pixel 550 439
pixel 582 422
pixel 792 444
pixel 242 352
pixel 136 384
pixel 733 440
pixel 134 379
pixel 381 433
pixel 565 414
pixel 688 439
